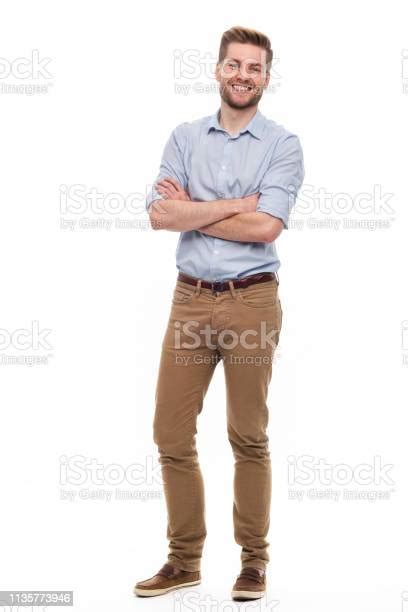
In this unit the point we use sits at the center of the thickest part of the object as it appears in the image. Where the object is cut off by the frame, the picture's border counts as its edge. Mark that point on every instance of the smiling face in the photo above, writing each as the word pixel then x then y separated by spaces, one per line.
pixel 243 75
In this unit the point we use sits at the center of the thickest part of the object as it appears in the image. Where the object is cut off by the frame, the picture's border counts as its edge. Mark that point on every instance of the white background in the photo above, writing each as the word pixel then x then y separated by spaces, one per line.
pixel 339 385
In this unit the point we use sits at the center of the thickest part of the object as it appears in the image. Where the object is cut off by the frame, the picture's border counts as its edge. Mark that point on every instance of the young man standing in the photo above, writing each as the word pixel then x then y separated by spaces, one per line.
pixel 227 182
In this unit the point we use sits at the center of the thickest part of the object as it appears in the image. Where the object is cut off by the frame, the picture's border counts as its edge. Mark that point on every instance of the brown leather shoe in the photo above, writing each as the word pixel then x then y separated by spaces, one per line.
pixel 167 579
pixel 250 584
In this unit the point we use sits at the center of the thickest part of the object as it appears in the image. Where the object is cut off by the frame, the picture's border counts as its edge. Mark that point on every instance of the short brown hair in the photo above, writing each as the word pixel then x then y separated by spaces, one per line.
pixel 245 35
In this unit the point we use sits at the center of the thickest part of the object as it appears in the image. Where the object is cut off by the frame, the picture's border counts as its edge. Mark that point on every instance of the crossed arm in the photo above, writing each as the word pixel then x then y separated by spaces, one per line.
pixel 233 219
pixel 246 227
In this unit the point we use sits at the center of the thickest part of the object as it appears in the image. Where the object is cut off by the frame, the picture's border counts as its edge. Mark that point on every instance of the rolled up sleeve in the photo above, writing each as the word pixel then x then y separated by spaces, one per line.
pixel 281 182
pixel 172 163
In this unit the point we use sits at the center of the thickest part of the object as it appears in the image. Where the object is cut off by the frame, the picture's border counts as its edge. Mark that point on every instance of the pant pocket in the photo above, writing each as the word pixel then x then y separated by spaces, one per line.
pixel 261 295
pixel 183 293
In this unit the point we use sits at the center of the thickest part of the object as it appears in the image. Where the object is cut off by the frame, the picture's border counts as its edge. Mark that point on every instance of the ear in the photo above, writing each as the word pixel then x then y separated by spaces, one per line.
pixel 218 72
pixel 267 79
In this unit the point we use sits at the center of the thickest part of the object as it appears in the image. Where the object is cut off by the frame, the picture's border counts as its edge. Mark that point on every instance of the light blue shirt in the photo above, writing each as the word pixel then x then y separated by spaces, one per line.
pixel 212 165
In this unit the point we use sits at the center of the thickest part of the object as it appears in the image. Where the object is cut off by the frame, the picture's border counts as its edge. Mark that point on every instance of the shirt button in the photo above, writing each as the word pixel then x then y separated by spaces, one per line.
pixel 223 167
pixel 216 252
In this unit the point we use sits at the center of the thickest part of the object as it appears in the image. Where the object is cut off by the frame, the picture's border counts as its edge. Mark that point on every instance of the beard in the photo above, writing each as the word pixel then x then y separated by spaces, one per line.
pixel 234 101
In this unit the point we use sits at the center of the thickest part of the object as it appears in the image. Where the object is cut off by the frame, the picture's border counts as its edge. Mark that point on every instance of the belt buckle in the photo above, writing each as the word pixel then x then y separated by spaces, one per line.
pixel 216 286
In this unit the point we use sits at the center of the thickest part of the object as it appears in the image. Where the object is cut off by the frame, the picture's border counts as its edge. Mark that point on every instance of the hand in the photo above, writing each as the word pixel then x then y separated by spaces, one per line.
pixel 250 202
pixel 171 189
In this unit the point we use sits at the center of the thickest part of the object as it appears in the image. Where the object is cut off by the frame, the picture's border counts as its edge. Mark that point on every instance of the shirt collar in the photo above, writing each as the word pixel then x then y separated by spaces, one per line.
pixel 255 125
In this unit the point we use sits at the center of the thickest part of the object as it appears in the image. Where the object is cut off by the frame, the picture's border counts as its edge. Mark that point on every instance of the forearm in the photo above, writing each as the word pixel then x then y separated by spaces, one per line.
pixel 245 227
pixel 182 215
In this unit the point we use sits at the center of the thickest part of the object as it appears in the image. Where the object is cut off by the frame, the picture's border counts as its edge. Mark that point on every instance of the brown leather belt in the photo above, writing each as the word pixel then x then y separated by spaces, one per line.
pixel 239 283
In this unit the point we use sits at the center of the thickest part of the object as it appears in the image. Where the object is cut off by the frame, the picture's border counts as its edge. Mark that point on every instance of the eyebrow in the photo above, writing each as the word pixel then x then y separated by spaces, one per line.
pixel 234 59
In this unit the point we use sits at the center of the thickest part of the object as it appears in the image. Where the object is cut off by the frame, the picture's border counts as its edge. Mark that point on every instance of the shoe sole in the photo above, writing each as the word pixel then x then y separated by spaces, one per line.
pixel 247 594
pixel 155 592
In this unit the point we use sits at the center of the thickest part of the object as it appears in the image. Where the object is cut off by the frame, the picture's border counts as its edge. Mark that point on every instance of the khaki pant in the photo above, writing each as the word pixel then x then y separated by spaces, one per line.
pixel 236 319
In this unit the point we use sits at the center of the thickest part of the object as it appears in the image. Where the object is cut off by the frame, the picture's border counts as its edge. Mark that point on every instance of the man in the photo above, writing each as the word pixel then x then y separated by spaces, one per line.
pixel 227 182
